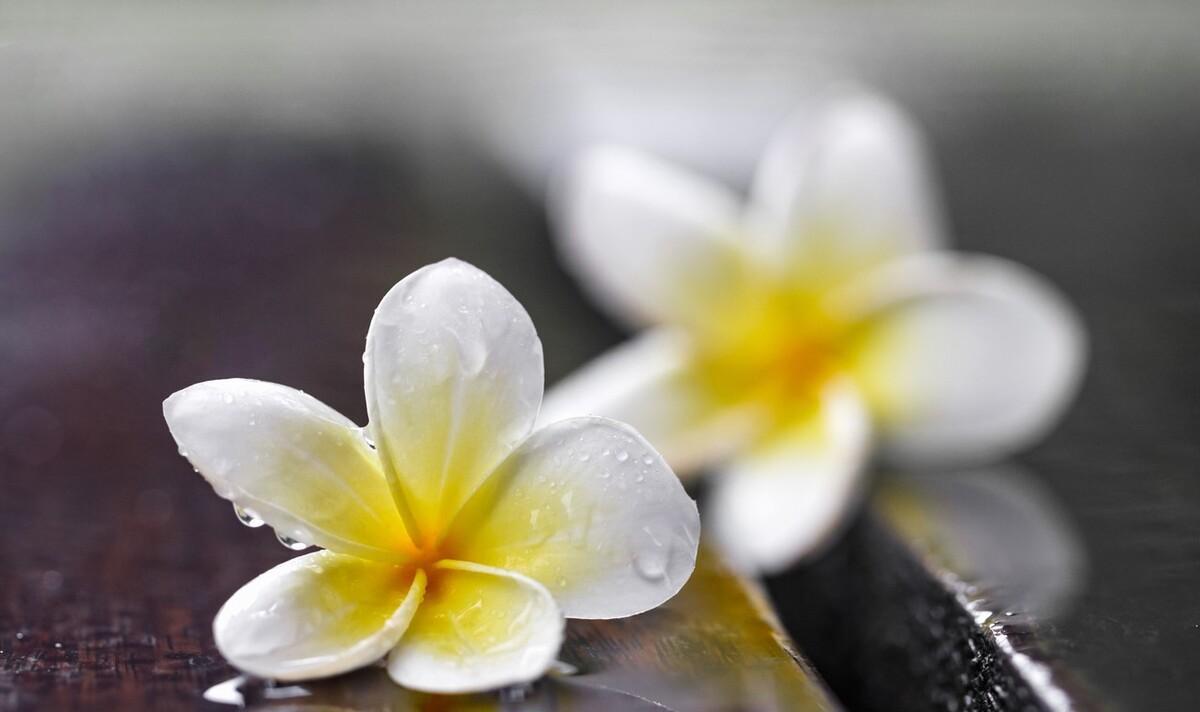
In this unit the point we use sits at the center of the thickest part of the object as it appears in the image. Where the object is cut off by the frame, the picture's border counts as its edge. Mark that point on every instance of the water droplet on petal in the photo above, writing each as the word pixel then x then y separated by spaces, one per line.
pixel 647 460
pixel 227 397
pixel 290 543
pixel 245 517
pixel 622 456
pixel 584 457
pixel 651 565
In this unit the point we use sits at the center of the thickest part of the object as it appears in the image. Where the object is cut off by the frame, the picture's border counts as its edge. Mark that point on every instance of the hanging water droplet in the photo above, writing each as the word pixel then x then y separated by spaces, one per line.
pixel 183 452
pixel 622 456
pixel 246 517
pixel 290 543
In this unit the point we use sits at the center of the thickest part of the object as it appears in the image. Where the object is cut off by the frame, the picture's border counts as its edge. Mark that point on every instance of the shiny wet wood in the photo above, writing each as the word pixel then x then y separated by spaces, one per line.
pixel 156 262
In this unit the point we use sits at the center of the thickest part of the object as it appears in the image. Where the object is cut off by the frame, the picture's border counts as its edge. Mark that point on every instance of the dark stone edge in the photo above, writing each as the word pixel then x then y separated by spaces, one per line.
pixel 889 630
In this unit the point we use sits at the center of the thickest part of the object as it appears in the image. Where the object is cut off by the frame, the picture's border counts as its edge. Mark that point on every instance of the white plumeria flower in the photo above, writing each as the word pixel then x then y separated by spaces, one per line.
pixel 791 333
pixel 455 541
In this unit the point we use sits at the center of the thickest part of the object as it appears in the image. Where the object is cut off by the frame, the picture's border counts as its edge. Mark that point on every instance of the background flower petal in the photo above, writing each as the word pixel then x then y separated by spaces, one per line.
pixel 290 460
pixel 844 181
pixel 589 509
pixel 787 498
pixel 965 358
pixel 317 615
pixel 454 380
pixel 646 382
pixel 478 628
pixel 651 242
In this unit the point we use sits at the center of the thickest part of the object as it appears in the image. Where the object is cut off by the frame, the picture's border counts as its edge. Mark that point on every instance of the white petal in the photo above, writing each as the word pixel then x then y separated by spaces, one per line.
pixel 965 358
pixel 651 242
pixel 291 461
pixel 454 379
pixel 646 383
pixel 589 509
pixel 317 615
pixel 847 176
pixel 787 498
pixel 479 628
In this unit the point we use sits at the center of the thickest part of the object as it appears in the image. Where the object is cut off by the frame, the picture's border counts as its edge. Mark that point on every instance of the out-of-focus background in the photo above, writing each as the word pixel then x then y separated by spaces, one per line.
pixel 202 191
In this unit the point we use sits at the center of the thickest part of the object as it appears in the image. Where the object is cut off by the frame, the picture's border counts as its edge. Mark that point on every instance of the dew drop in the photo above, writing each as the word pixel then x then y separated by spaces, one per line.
pixel 639 478
pixel 651 565
pixel 246 517
pixel 584 457
pixel 647 460
pixel 227 397
pixel 290 543
pixel 622 456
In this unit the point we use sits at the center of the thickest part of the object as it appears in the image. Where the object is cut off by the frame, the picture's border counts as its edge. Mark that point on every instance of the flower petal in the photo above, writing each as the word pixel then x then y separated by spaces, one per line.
pixel 785 499
pixel 454 379
pixel 646 382
pixel 291 461
pixel 589 509
pixel 847 177
pixel 317 615
pixel 479 628
pixel 965 358
pixel 652 242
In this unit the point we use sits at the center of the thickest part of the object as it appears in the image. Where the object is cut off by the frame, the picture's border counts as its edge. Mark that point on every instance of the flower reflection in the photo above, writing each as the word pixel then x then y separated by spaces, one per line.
pixel 790 335
pixel 998 528
pixel 371 689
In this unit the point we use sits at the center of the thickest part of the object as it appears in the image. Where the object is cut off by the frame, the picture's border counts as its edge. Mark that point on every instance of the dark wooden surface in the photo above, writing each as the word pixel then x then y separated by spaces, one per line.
pixel 182 259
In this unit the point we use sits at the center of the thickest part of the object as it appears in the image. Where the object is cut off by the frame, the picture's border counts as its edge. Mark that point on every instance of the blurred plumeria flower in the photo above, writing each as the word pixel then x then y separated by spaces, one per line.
pixel 455 540
pixel 790 334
